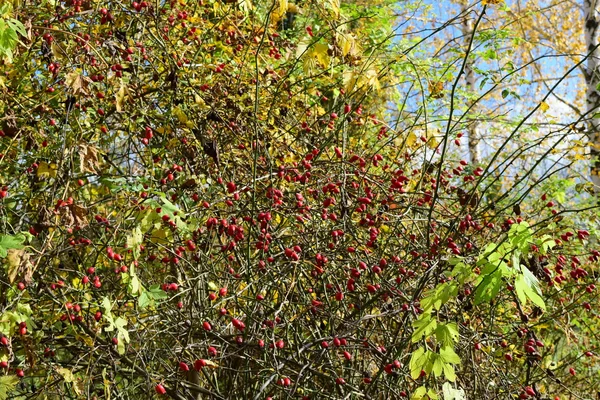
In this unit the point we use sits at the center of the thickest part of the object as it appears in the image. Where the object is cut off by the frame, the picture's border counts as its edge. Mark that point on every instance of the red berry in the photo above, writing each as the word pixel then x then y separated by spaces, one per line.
pixel 529 390
pixel 160 389
pixel 184 367
pixel 199 364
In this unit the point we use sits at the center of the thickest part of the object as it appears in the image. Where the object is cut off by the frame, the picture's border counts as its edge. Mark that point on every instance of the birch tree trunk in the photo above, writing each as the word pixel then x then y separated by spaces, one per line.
pixel 473 136
pixel 592 79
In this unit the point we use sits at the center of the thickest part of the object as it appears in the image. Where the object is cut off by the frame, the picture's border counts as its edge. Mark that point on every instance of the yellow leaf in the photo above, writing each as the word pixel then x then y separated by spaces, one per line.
pixel 350 81
pixel 283 6
pixel 211 364
pixel 347 44
pixel 159 236
pixel 59 52
pixel 279 12
pixel 178 112
pixel 436 89
pixel 246 6
pixel 120 97
pixel 319 51
pixel 14 262
pixel 46 170
pixel 67 374
pixel 544 106
pixel 334 7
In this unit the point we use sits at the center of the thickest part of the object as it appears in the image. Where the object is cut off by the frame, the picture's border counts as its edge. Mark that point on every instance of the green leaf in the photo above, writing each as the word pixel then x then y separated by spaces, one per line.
pixel 449 372
pixel 527 286
pixel 447 334
pixel 120 324
pixel 424 326
pixel 419 393
pixel 449 356
pixel 438 366
pixel 10 242
pixel 169 207
pixel 488 288
pixel 7 385
pixel 432 394
pixel 16 26
pixel 144 300
pixel 418 359
pixel 157 293
pixel 134 284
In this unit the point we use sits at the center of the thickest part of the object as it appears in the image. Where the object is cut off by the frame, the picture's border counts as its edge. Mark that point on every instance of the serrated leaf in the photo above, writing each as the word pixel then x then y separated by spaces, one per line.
pixel 527 286
pixel 417 362
pixel 8 242
pixel 424 326
pixel 7 385
pixel 144 300
pixel 449 356
pixel 438 366
pixel 489 287
pixel 449 372
pixel 447 334
pixel 157 293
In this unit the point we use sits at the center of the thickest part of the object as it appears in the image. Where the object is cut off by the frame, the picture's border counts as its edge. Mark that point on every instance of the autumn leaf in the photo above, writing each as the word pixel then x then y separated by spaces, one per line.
pixel 436 89
pixel 334 8
pixel 77 82
pixel 47 170
pixel 79 213
pixel 88 158
pixel 59 52
pixel 120 97
pixel 347 44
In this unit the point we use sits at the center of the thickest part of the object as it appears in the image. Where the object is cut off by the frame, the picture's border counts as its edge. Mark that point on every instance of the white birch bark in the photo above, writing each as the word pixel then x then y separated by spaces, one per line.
pixel 592 79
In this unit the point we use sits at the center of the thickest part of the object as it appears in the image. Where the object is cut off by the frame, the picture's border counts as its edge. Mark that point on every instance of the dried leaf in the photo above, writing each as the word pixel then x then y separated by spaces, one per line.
pixel 13 260
pixel 88 158
pixel 79 213
pixel 19 265
pixel 77 82
pixel 436 89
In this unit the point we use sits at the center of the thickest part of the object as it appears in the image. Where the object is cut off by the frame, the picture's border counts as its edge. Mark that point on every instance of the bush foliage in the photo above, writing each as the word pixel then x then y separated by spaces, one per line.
pixel 234 199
